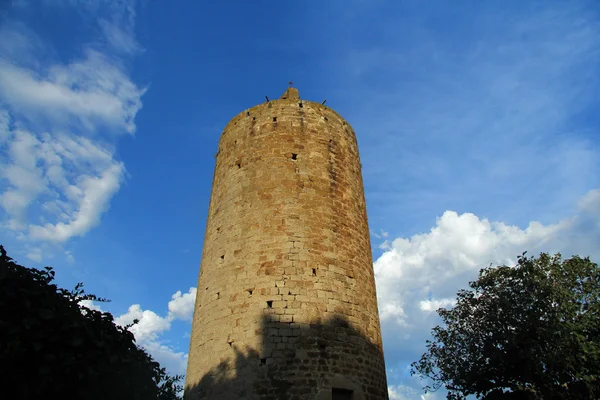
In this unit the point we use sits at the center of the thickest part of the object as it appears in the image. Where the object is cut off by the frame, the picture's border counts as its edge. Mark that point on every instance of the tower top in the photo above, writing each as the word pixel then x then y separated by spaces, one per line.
pixel 291 93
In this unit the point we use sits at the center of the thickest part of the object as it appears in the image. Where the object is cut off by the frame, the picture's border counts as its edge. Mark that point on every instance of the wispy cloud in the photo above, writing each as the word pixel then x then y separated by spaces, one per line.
pixel 92 91
pixel 58 123
pixel 481 108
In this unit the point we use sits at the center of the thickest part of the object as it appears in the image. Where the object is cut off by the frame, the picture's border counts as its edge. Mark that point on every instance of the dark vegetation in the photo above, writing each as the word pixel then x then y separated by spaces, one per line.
pixel 531 331
pixel 51 346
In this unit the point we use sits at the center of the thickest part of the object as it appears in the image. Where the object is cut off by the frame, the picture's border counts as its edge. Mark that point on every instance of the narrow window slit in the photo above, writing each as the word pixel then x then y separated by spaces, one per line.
pixel 270 304
pixel 274 119
pixel 239 165
pixel 300 105
pixel 218 295
pixel 248 113
pixel 294 156
pixel 263 361
pixel 314 272
pixel 250 292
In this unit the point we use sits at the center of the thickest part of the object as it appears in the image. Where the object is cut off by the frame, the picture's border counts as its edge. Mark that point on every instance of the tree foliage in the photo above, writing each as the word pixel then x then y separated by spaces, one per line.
pixel 50 344
pixel 531 331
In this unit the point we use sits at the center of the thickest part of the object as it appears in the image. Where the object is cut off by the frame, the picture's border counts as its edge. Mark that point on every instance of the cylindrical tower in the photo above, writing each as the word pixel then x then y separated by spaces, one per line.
pixel 286 305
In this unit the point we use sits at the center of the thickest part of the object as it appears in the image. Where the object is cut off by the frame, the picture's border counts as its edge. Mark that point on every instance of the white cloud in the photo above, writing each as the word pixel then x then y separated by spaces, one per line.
pixel 590 203
pixel 35 254
pixel 58 122
pixel 434 305
pixel 182 305
pixel 174 361
pixel 416 276
pixel 148 335
pixel 151 327
pixel 25 180
pixel 94 91
pixel 120 37
pixel 4 126
pixel 74 177
pixel 91 305
pixel 92 197
pixel 426 265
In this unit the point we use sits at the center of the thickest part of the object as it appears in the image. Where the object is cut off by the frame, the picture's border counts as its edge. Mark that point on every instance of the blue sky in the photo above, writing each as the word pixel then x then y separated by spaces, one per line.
pixel 477 125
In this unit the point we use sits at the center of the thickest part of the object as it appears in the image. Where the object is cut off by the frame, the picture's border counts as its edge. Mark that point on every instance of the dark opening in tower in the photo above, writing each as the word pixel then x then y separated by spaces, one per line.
pixel 342 394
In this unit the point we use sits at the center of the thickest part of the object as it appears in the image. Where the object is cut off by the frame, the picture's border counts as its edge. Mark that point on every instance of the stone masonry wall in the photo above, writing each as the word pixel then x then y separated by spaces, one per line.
pixel 286 278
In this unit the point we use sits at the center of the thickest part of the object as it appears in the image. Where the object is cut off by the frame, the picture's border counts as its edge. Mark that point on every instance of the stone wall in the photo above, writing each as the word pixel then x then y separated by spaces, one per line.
pixel 286 281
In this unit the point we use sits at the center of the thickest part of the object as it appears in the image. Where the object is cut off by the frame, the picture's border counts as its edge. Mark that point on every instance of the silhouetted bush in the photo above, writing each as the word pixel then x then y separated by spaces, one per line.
pixel 52 346
pixel 531 331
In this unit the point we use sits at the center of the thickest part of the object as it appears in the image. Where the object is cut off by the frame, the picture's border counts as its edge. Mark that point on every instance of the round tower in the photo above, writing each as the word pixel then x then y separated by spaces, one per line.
pixel 286 305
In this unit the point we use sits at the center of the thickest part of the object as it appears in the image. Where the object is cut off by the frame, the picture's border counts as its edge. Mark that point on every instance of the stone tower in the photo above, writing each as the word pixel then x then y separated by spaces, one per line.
pixel 286 305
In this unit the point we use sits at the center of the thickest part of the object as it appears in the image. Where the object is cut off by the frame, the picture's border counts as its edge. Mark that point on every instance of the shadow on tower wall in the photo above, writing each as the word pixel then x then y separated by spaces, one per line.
pixel 320 361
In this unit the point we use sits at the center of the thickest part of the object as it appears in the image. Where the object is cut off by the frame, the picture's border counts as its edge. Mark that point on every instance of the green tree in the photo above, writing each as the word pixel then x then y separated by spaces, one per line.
pixel 531 331
pixel 52 345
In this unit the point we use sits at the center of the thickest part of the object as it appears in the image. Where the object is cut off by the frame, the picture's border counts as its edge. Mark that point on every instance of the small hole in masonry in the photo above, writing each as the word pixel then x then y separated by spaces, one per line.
pixel 314 273
pixel 218 295
pixel 239 165
pixel 248 113
pixel 274 119
pixel 300 105
pixel 294 156
pixel 270 304
pixel 263 361
pixel 223 257
pixel 250 292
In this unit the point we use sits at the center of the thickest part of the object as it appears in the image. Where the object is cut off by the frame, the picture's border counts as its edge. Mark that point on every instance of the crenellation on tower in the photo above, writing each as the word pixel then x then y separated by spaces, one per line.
pixel 286 305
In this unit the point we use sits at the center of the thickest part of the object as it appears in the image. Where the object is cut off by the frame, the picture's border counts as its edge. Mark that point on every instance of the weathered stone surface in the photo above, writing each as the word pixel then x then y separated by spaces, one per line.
pixel 286 305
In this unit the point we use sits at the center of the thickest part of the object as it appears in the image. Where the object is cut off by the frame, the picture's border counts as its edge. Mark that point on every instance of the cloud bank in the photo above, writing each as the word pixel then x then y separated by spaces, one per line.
pixel 415 276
